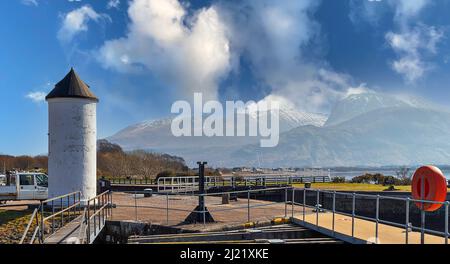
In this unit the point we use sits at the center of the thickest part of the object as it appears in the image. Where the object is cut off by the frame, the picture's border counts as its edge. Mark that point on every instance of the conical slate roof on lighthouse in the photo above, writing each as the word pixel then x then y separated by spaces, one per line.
pixel 71 87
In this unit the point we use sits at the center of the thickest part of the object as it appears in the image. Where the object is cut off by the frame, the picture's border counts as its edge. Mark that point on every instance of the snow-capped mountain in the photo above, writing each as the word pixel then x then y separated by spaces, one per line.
pixel 357 104
pixel 156 135
pixel 293 118
pixel 367 129
pixel 387 136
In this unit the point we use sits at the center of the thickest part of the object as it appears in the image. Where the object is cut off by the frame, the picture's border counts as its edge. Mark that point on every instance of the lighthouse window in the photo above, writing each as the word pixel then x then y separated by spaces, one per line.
pixel 26 180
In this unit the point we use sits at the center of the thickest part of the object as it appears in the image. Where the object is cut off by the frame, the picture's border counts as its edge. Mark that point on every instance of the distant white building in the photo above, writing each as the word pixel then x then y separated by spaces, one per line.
pixel 72 164
pixel 2 179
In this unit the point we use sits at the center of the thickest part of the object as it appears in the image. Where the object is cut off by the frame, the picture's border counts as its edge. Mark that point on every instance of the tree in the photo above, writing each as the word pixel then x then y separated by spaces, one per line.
pixel 404 176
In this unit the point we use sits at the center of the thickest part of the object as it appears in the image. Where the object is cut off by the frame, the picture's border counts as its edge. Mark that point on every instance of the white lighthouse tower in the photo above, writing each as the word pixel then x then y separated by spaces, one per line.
pixel 72 164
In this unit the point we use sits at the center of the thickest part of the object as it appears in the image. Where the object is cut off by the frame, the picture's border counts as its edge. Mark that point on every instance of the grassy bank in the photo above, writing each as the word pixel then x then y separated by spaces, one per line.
pixel 12 225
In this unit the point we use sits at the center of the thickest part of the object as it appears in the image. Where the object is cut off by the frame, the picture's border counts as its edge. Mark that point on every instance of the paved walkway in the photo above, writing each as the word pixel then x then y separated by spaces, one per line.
pixel 70 233
pixel 364 231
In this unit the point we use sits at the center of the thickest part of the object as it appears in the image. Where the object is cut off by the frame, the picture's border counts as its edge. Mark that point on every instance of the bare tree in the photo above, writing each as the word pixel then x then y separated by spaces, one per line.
pixel 404 175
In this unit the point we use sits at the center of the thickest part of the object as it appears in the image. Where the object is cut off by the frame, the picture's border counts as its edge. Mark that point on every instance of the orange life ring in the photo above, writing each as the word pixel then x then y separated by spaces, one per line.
pixel 435 187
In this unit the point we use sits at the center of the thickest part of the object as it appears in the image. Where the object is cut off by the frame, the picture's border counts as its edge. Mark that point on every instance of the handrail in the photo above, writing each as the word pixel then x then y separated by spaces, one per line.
pixel 36 231
pixel 377 219
pixel 249 206
pixel 183 183
pixel 245 191
pixel 104 201
pixel 69 203
pixel 98 196
pixel 73 206
pixel 60 197
pixel 62 211
pixel 83 225
pixel 28 226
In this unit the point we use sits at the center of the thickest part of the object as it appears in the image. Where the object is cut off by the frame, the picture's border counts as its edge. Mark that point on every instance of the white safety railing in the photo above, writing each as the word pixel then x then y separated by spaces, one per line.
pixel 407 225
pixel 189 184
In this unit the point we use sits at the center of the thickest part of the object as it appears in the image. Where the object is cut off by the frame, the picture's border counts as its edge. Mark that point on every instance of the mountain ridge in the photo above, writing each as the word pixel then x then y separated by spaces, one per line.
pixel 367 129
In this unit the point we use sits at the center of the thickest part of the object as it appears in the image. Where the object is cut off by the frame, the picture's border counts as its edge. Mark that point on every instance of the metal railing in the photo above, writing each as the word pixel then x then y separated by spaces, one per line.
pixel 407 225
pixel 55 212
pixel 190 183
pixel 98 209
pixel 25 233
pixel 129 181
pixel 245 194
pixel 248 206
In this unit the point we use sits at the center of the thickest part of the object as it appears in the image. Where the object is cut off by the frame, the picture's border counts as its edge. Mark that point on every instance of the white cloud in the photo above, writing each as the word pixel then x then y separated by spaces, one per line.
pixel 190 52
pixel 361 89
pixel 77 20
pixel 410 46
pixel 366 11
pixel 30 2
pixel 113 4
pixel 36 97
pixel 411 41
pixel 405 10
pixel 274 37
pixel 194 51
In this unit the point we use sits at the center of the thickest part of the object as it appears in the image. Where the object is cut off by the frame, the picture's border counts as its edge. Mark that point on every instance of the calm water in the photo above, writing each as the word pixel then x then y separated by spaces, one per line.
pixel 351 174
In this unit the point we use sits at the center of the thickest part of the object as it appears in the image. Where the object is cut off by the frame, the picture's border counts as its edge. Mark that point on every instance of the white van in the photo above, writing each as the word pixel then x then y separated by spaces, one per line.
pixel 25 186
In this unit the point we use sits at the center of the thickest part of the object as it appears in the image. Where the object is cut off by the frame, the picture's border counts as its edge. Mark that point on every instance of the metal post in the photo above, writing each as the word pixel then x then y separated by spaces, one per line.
pixel 74 202
pixel 422 213
pixel 285 202
pixel 95 222
pixel 304 204
pixel 62 214
pixel 53 218
pixel 68 205
pixel 167 208
pixel 422 232
pixel 377 217
pixel 111 201
pixel 204 212
pixel 407 221
pixel 103 209
pixel 135 206
pixel 353 215
pixel 42 223
pixel 317 208
pixel 446 222
pixel 248 206
pixel 334 212
pixel 88 236
pixel 79 200
pixel 293 201
pixel 100 204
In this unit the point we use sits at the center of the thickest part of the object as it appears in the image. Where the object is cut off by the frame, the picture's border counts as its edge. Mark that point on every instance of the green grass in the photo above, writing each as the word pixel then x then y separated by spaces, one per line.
pixel 361 187
pixel 10 215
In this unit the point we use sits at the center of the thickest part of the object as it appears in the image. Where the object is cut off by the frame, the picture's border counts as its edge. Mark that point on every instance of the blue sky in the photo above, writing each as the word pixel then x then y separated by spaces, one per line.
pixel 139 56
